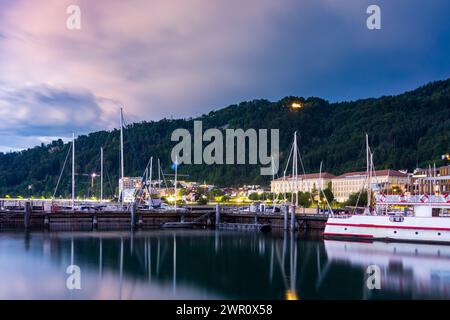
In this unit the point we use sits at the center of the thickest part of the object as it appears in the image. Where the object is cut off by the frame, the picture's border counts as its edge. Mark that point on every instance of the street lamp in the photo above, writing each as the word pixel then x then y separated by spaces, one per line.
pixel 93 175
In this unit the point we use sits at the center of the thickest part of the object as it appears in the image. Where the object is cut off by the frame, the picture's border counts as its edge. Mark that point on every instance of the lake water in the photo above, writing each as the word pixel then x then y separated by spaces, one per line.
pixel 203 264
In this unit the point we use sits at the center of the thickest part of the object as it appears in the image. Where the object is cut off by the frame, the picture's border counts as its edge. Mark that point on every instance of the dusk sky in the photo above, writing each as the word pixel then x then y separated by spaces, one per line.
pixel 182 58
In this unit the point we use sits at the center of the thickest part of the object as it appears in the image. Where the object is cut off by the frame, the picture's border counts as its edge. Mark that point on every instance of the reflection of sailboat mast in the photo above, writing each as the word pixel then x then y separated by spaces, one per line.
pixel 72 251
pixel 174 264
pixel 291 292
pixel 293 264
pixel 271 263
pixel 216 241
pixel 121 268
pixel 157 258
pixel 131 241
pixel 100 268
pixel 149 248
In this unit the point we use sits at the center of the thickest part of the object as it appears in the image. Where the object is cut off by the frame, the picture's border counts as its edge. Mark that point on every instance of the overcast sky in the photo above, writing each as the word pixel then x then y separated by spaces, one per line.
pixel 181 58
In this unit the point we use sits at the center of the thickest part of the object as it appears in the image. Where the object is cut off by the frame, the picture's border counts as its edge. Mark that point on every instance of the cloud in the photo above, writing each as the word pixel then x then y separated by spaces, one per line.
pixel 183 58
pixel 42 113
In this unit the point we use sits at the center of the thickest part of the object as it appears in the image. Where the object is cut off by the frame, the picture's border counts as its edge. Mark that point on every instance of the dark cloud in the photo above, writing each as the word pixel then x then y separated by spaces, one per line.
pixel 42 112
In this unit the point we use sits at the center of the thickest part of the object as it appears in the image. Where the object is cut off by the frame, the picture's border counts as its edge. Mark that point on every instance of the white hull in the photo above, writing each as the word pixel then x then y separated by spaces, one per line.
pixel 366 227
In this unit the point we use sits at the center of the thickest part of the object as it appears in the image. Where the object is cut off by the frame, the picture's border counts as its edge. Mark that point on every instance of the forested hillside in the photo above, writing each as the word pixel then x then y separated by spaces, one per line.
pixel 408 130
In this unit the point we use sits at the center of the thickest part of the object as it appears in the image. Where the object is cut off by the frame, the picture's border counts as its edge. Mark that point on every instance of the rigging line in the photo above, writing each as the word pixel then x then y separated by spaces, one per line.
pixel 285 169
pixel 109 181
pixel 304 172
pixel 133 149
pixel 60 175
pixel 144 180
pixel 164 177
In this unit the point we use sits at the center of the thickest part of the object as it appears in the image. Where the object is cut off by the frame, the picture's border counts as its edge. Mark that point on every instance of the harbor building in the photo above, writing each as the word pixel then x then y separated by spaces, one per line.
pixel 352 182
pixel 306 183
pixel 128 187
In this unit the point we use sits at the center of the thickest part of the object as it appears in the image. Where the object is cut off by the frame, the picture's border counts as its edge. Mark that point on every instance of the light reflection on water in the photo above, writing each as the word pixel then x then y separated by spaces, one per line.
pixel 200 264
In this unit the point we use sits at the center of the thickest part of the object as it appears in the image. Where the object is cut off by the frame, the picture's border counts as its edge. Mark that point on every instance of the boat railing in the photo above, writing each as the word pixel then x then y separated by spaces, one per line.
pixel 340 216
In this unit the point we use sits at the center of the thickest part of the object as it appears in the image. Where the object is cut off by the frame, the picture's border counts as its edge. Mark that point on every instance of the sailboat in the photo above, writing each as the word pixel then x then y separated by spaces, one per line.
pixel 424 224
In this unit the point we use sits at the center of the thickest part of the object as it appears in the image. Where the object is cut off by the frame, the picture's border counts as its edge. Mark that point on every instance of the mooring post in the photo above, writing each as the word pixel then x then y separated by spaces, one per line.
pixel 217 215
pixel 285 212
pixel 27 216
pixel 94 221
pixel 293 218
pixel 46 221
pixel 132 208
pixel 141 219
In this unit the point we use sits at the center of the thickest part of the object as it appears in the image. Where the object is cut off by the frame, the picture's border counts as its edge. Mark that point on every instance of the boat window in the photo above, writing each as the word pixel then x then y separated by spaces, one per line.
pixel 396 218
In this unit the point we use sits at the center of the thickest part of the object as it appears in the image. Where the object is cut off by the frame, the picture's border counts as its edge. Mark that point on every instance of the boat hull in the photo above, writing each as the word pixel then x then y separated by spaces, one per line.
pixel 386 228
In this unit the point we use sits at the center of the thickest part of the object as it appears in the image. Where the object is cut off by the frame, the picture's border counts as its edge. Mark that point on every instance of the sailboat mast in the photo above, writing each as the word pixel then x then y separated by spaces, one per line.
pixel 368 156
pixel 121 145
pixel 295 171
pixel 320 182
pixel 73 171
pixel 175 187
pixel 149 180
pixel 273 179
pixel 101 174
pixel 121 156
pixel 159 176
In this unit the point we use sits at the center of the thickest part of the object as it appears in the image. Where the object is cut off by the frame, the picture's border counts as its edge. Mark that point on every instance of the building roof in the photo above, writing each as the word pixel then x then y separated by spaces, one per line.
pixel 324 175
pixel 378 173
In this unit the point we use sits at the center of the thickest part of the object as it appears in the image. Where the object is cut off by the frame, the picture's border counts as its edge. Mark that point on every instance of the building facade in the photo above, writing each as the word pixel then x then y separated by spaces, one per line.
pixel 431 181
pixel 128 187
pixel 353 182
pixel 305 183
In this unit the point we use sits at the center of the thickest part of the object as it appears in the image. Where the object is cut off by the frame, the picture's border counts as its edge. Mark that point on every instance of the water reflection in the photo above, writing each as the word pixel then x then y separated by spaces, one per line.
pixel 189 264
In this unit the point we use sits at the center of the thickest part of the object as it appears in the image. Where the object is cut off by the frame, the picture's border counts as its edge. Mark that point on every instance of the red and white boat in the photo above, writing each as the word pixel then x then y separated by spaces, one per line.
pixel 428 222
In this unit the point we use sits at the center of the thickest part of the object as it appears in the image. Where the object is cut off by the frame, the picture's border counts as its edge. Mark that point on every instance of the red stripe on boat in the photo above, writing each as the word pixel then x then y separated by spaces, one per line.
pixel 348 235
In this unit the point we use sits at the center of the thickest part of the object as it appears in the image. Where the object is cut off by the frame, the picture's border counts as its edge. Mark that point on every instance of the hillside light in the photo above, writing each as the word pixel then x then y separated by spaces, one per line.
pixel 296 105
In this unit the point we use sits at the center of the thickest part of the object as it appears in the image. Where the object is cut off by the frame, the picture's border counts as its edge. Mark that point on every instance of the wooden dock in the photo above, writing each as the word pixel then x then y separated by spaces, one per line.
pixel 196 217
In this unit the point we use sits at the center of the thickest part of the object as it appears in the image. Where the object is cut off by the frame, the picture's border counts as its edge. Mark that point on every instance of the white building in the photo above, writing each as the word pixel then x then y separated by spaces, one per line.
pixel 306 183
pixel 353 182
pixel 128 187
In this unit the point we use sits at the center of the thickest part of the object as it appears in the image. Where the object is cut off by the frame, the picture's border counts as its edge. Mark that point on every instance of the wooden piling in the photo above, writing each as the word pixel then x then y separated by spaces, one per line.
pixel 285 222
pixel 27 216
pixel 140 219
pixel 293 222
pixel 132 213
pixel 217 215
pixel 94 222
pixel 46 221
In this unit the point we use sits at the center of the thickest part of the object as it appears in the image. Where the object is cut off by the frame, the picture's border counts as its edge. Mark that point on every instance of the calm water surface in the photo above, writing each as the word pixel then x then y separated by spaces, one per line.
pixel 200 264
